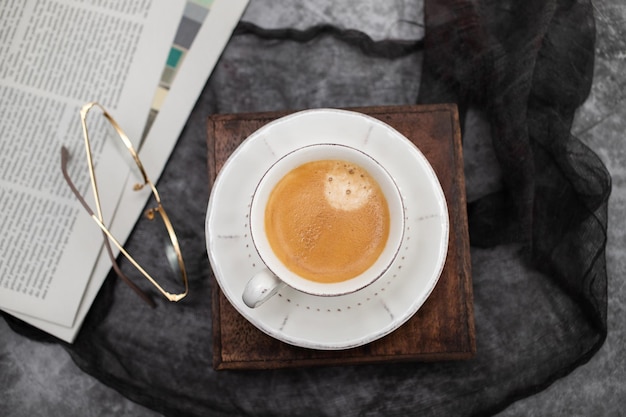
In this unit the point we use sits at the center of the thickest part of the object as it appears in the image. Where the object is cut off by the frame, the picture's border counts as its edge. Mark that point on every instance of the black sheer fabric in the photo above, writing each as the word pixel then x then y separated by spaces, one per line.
pixel 529 66
pixel 538 241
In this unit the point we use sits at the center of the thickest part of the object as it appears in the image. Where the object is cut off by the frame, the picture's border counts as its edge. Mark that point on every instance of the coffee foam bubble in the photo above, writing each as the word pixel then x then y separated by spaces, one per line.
pixel 347 187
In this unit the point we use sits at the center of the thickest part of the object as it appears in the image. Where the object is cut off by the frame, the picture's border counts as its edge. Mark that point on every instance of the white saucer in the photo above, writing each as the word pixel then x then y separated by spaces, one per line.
pixel 329 322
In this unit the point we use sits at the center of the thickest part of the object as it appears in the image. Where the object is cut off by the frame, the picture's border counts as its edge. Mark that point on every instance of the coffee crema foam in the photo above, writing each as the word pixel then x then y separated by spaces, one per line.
pixel 327 220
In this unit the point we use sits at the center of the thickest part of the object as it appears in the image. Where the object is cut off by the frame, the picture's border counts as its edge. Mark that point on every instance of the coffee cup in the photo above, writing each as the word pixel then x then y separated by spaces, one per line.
pixel 326 219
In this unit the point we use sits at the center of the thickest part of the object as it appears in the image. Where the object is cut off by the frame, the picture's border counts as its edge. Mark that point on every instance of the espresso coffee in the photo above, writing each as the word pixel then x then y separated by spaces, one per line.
pixel 327 220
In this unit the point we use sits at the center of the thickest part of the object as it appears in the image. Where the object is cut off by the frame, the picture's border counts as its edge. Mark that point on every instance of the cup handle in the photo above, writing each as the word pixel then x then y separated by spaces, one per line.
pixel 260 288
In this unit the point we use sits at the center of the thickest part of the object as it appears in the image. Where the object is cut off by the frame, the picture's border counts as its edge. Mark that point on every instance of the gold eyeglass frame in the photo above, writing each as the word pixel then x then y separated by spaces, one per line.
pixel 149 213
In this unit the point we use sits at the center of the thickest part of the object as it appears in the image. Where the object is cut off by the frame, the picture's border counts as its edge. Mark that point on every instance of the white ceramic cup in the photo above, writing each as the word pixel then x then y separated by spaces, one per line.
pixel 275 274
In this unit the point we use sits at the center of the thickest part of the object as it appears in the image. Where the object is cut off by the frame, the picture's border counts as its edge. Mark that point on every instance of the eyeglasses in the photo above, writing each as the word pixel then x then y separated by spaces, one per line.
pixel 154 214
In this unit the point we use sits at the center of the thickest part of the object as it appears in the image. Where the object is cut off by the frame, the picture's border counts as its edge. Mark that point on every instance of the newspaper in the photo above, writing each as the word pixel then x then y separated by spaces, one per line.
pixel 147 63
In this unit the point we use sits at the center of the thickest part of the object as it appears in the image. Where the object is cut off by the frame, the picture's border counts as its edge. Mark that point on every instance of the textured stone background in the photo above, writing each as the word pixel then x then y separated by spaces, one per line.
pixel 40 380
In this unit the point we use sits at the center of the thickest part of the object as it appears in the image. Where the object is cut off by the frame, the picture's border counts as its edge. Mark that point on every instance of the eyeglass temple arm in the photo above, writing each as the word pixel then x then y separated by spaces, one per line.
pixel 64 158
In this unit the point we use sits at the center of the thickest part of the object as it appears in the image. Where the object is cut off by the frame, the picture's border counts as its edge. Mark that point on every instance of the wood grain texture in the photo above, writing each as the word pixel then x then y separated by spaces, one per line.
pixel 442 329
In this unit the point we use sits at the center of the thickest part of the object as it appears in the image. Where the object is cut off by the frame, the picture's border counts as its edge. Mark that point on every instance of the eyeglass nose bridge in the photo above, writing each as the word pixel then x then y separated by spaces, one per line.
pixel 150 212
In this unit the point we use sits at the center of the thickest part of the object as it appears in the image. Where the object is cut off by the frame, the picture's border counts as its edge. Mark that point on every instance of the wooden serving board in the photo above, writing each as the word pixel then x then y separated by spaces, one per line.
pixel 442 329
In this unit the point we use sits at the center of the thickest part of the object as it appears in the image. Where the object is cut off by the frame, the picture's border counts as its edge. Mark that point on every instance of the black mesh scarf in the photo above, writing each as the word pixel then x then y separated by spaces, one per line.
pixel 537 243
pixel 529 66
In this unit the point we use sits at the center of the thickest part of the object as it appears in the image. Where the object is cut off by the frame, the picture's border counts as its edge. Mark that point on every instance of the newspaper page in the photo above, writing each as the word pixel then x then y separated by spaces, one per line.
pixel 204 28
pixel 57 55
